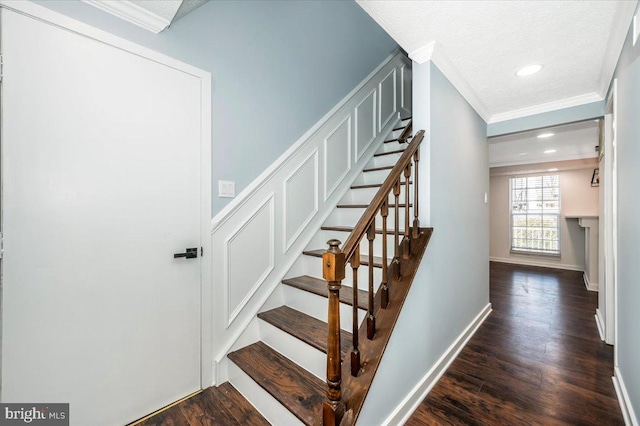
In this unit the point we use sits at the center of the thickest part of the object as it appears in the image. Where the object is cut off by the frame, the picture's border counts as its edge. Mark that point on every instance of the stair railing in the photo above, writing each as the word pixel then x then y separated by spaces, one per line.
pixel 335 260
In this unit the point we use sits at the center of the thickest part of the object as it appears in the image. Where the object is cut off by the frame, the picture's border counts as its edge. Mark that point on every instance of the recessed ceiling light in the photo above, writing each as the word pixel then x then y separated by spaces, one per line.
pixel 523 153
pixel 550 151
pixel 528 70
pixel 555 169
pixel 545 135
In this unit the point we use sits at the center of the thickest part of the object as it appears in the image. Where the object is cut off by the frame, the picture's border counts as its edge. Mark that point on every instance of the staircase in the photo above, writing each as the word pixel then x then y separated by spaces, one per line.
pixel 294 374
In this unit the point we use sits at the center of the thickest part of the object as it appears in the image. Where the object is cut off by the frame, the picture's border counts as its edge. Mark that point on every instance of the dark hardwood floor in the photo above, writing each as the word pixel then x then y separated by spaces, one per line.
pixel 221 406
pixel 536 360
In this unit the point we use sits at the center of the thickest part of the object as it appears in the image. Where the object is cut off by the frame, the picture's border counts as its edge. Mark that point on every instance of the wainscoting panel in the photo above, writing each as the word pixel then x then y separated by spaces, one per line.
pixel 387 104
pixel 257 237
pixel 300 198
pixel 406 89
pixel 365 124
pixel 249 259
pixel 337 156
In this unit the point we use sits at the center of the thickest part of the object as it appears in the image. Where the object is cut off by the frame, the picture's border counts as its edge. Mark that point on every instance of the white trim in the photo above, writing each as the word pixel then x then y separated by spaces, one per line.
pixel 328 192
pixel 528 262
pixel 574 101
pixel 626 406
pixel 229 343
pixel 227 283
pixel 395 100
pixel 404 410
pixel 434 52
pixel 549 160
pixel 636 28
pixel 132 13
pixel 582 166
pixel 623 19
pixel 223 215
pixel 375 133
pixel 598 316
pixel 589 285
pixel 42 13
pixel 289 242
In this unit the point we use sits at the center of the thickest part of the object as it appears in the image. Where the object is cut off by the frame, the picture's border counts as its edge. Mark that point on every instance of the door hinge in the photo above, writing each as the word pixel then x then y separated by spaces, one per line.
pixel 1 68
pixel 201 251
pixel 1 245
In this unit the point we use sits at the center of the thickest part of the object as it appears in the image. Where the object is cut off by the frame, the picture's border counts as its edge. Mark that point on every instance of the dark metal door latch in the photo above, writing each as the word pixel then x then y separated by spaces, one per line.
pixel 190 254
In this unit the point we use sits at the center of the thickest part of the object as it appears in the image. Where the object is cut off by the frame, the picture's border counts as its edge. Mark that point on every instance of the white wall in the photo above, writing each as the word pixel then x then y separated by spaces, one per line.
pixel 451 288
pixel 628 262
pixel 578 197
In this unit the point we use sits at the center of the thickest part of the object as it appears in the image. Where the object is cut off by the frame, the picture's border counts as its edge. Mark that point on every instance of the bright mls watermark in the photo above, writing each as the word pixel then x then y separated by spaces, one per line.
pixel 34 414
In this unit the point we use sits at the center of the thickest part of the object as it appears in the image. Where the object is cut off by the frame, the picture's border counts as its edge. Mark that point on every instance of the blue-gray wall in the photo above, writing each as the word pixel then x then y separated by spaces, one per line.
pixel 277 68
pixel 451 286
pixel 547 119
pixel 628 159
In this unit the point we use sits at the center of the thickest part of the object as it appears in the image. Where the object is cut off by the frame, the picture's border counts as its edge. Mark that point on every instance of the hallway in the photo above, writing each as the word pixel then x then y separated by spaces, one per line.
pixel 537 359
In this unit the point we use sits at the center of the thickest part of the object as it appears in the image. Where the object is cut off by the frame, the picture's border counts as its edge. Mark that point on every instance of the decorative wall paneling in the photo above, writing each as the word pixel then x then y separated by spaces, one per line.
pixel 259 237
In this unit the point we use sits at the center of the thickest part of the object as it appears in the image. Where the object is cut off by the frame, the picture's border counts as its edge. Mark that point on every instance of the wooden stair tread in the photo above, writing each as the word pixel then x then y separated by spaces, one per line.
pixel 374 185
pixel 364 206
pixel 364 258
pixel 350 229
pixel 319 287
pixel 375 169
pixel 299 391
pixel 304 327
pixel 380 154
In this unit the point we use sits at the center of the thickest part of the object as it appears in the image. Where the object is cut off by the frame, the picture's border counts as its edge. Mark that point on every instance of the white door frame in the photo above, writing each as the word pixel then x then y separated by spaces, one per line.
pixel 611 218
pixel 206 328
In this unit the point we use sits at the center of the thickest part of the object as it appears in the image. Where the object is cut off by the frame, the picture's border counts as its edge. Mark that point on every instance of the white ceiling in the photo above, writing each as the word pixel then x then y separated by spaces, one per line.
pixel 481 44
pixel 571 141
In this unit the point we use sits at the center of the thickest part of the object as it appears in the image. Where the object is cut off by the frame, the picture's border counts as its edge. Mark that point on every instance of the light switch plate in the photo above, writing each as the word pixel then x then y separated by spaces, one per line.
pixel 226 189
pixel 486 198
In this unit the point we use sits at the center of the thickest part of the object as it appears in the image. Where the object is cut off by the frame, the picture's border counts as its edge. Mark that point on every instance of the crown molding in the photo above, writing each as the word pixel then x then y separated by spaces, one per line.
pixel 130 12
pixel 433 52
pixel 587 98
pixel 623 19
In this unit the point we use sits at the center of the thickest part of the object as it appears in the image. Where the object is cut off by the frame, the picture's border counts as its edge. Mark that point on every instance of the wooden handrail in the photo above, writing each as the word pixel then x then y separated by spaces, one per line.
pixel 334 265
pixel 370 213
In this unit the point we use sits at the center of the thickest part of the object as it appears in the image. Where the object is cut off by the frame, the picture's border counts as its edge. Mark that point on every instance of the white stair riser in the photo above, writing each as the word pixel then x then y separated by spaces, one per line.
pixel 351 216
pixel 312 266
pixel 306 356
pixel 366 178
pixel 383 161
pixel 366 195
pixel 392 146
pixel 267 405
pixel 317 306
pixel 321 238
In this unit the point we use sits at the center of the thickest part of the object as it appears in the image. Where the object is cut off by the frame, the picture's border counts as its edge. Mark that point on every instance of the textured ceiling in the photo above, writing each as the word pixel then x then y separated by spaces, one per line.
pixel 576 42
pixel 571 141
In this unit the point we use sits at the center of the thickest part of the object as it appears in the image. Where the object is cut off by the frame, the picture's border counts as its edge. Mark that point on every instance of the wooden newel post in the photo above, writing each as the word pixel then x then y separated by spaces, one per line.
pixel 416 221
pixel 333 265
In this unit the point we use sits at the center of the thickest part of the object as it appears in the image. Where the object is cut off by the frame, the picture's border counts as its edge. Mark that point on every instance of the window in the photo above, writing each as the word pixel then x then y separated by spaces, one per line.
pixel 535 214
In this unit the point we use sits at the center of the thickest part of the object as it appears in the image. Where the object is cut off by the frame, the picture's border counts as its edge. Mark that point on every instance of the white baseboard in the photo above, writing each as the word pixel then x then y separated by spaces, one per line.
pixel 600 324
pixel 536 262
pixel 629 415
pixel 411 402
pixel 589 285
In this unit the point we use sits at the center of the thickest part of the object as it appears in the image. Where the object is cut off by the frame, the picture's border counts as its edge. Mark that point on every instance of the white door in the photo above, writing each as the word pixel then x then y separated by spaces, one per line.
pixel 101 186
